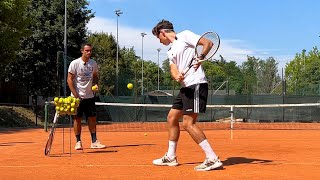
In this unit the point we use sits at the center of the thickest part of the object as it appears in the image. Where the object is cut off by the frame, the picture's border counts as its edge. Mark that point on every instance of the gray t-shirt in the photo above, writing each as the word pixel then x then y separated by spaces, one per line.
pixel 83 76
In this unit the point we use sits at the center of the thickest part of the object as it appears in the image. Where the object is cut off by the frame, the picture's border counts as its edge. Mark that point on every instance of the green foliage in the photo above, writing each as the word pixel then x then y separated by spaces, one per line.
pixel 260 76
pixel 219 71
pixel 303 73
pixel 13 22
pixel 104 52
pixel 37 64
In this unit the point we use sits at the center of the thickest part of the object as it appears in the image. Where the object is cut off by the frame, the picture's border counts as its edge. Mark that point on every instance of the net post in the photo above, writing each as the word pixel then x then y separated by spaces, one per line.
pixel 70 127
pixel 46 116
pixel 231 117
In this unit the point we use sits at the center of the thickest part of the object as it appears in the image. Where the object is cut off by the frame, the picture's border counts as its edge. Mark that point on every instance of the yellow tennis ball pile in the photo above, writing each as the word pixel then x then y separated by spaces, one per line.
pixel 130 86
pixel 67 105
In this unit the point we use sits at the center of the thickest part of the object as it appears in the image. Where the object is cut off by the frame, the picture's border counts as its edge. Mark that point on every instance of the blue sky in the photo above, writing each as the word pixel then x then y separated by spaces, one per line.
pixel 277 28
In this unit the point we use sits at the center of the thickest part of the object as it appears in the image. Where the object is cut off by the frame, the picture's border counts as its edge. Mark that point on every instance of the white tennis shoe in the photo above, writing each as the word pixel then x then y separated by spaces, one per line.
pixel 208 165
pixel 78 146
pixel 97 145
pixel 166 161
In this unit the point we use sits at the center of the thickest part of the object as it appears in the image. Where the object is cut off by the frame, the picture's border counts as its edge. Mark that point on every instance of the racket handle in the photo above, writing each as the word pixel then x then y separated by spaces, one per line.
pixel 191 65
pixel 56 115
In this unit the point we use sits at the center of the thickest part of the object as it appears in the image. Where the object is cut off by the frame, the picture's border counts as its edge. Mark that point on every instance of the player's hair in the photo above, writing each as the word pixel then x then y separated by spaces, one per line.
pixel 162 25
pixel 85 44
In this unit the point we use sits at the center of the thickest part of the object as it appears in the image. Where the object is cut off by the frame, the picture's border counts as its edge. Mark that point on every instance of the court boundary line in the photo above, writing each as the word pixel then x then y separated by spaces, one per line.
pixel 132 165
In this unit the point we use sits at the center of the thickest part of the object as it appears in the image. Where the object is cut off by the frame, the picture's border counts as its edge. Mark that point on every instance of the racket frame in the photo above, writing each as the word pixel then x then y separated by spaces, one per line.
pixel 51 135
pixel 197 54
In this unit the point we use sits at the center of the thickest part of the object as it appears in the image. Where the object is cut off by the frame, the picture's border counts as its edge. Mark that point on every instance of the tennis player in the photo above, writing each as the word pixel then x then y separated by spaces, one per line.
pixel 82 75
pixel 192 98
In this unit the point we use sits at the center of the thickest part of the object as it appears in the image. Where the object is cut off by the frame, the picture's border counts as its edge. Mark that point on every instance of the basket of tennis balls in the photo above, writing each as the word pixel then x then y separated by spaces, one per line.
pixel 66 105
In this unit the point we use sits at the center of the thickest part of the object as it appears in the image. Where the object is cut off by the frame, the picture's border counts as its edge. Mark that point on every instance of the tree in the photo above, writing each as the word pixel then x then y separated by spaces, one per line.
pixel 13 22
pixel 260 76
pixel 249 70
pixel 36 68
pixel 268 76
pixel 303 73
pixel 234 77
pixel 150 75
pixel 167 79
pixel 220 71
pixel 104 52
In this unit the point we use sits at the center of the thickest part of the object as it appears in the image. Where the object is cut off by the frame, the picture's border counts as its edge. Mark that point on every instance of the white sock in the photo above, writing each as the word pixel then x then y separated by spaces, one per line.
pixel 208 150
pixel 172 149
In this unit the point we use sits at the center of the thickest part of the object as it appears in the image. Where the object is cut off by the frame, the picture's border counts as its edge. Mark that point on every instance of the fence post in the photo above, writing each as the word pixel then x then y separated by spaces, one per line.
pixel 46 116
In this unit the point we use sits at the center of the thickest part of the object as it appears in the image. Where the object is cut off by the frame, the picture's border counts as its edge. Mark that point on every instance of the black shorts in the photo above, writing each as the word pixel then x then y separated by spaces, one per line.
pixel 88 107
pixel 192 99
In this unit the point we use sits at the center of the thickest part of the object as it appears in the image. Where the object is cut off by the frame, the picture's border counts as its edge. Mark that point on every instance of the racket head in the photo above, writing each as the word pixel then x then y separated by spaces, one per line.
pixel 51 135
pixel 49 141
pixel 215 39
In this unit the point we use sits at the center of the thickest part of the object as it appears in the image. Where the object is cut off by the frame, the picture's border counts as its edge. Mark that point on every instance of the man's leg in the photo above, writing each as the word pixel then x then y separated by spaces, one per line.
pixel 189 124
pixel 212 161
pixel 77 132
pixel 169 159
pixel 92 124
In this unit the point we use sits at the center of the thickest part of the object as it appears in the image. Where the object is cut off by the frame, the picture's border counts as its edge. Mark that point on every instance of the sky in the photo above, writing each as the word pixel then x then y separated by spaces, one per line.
pixel 269 28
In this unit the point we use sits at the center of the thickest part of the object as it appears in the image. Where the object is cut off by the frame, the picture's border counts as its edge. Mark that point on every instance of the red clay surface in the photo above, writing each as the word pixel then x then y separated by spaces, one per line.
pixel 246 154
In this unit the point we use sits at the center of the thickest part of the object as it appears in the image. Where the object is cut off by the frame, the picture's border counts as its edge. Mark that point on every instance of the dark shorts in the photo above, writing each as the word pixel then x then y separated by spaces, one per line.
pixel 192 99
pixel 88 107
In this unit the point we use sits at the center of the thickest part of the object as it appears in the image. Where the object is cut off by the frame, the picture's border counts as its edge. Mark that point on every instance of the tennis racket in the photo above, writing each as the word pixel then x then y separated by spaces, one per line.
pixel 51 135
pixel 203 53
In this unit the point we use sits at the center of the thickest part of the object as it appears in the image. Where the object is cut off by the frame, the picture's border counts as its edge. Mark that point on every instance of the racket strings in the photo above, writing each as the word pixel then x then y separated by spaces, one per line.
pixel 214 38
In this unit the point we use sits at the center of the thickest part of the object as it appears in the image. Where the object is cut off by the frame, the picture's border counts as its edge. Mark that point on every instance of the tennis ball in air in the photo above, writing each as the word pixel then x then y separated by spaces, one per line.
pixel 94 88
pixel 130 86
pixel 145 134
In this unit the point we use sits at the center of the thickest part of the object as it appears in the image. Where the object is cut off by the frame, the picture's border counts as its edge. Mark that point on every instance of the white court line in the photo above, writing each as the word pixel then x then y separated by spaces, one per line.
pixel 87 165
pixel 149 165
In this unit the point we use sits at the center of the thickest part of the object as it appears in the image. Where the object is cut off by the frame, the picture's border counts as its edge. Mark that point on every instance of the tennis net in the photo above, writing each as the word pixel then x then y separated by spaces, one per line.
pixel 152 117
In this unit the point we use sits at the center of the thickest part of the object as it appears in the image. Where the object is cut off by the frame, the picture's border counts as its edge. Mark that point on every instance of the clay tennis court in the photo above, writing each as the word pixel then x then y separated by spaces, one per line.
pixel 246 154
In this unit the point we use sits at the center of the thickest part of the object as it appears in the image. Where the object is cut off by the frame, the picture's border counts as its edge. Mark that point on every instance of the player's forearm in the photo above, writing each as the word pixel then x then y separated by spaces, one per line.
pixel 72 88
pixel 95 80
pixel 175 74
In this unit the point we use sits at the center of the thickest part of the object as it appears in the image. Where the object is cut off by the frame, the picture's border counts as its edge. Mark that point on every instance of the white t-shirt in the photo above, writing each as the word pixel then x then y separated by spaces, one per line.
pixel 83 76
pixel 181 53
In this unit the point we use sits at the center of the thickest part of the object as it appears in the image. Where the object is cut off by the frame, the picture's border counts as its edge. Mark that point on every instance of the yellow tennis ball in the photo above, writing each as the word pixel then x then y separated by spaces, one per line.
pixel 70 99
pixel 145 134
pixel 130 86
pixel 94 88
pixel 56 99
pixel 77 101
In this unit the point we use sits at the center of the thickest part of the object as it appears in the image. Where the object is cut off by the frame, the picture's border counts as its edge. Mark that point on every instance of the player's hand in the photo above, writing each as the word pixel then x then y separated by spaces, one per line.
pixel 197 64
pixel 76 95
pixel 95 88
pixel 179 77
